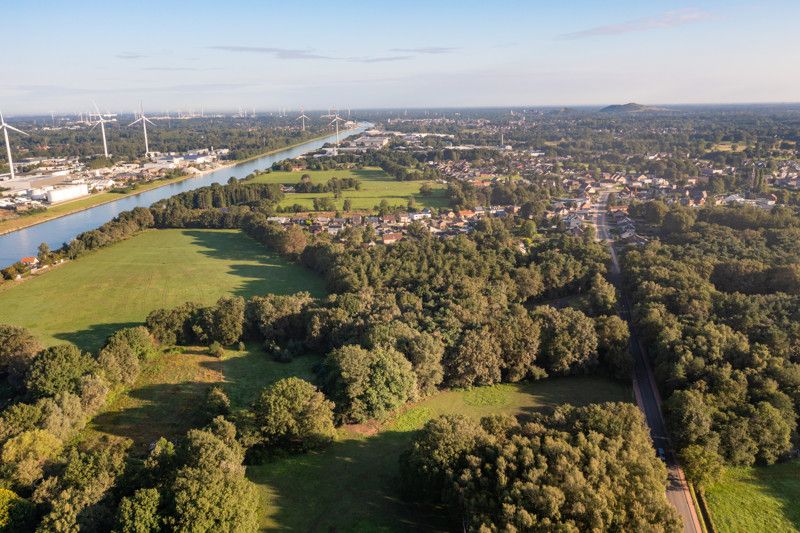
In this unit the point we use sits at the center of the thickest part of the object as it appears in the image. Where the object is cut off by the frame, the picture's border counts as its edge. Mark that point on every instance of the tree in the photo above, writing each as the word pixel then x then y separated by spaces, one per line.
pixel 689 416
pixel 25 456
pixel 119 362
pixel 17 349
pixel 569 340
pixel 293 414
pixel 602 296
pixel 701 464
pixel 580 469
pixel 367 384
pixel 223 323
pixel 44 253
pixel 612 345
pixel 210 491
pixel 433 457
pixel 518 335
pixel 771 431
pixel 425 189
pixel 16 513
pixel 217 403
pixel 139 513
pixel 347 205
pixel 476 360
pixel 58 369
pixel 678 220
pixel 293 241
pixel 423 350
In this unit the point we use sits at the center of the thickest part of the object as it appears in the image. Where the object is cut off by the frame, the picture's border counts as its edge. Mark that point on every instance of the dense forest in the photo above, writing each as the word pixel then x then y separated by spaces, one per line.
pixel 718 301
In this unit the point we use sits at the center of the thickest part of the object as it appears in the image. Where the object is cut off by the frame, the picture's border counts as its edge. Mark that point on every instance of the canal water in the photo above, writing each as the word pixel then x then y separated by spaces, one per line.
pixel 56 232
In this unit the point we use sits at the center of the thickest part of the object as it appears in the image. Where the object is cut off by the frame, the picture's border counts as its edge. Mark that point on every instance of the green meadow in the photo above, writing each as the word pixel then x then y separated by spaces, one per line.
pixel 353 484
pixel 756 499
pixel 376 185
pixel 86 300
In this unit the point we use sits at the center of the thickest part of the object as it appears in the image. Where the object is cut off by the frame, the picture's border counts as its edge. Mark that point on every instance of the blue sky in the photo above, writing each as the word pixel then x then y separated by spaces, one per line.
pixel 59 56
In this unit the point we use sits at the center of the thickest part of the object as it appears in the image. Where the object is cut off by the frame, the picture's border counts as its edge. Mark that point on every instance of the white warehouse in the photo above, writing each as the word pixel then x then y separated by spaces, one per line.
pixel 68 192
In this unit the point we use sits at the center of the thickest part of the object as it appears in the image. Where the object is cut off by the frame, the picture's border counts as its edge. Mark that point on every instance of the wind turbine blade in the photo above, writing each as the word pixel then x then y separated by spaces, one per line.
pixel 12 128
pixel 134 122
pixel 93 127
pixel 149 121
pixel 2 120
pixel 97 109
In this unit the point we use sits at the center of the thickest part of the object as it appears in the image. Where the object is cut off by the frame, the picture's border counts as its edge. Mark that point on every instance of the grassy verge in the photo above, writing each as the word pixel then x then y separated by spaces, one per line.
pixel 376 185
pixel 757 499
pixel 86 300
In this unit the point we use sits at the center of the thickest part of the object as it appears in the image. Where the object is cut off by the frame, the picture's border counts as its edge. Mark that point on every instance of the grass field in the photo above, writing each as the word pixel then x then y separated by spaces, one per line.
pixel 352 486
pixel 86 300
pixel 757 499
pixel 376 185
pixel 353 482
pixel 728 147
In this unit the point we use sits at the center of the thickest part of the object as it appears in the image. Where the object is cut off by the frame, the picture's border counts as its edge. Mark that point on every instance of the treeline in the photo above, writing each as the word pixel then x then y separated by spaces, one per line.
pixel 718 306
pixel 334 185
pixel 500 474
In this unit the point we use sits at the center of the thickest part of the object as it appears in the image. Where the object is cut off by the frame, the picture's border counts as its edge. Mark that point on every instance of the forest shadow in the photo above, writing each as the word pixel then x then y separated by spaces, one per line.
pixel 353 485
pixel 271 273
pixel 94 337
pixel 163 410
pixel 247 373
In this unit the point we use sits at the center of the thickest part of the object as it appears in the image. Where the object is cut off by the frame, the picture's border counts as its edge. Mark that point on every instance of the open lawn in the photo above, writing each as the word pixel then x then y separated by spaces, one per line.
pixel 86 300
pixel 167 399
pixel 757 499
pixel 352 486
pixel 376 185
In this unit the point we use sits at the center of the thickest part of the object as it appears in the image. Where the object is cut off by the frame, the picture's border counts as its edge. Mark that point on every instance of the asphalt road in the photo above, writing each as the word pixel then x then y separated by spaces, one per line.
pixel 647 395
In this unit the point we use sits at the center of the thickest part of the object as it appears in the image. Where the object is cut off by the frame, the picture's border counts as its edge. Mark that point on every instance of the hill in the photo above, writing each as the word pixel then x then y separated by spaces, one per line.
pixel 629 108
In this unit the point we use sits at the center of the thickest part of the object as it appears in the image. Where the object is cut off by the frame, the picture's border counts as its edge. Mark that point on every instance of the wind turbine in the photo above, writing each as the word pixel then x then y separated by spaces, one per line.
pixel 5 127
pixel 102 122
pixel 144 120
pixel 335 121
pixel 303 119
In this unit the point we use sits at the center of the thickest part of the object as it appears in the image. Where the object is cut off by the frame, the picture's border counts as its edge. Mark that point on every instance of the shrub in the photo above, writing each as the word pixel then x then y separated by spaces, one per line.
pixel 215 349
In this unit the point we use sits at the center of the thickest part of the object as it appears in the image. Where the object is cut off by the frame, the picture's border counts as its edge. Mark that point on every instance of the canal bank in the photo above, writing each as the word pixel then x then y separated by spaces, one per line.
pixel 57 231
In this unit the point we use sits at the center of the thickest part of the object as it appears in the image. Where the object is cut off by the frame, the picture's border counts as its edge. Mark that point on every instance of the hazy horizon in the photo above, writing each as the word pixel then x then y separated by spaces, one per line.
pixel 415 55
